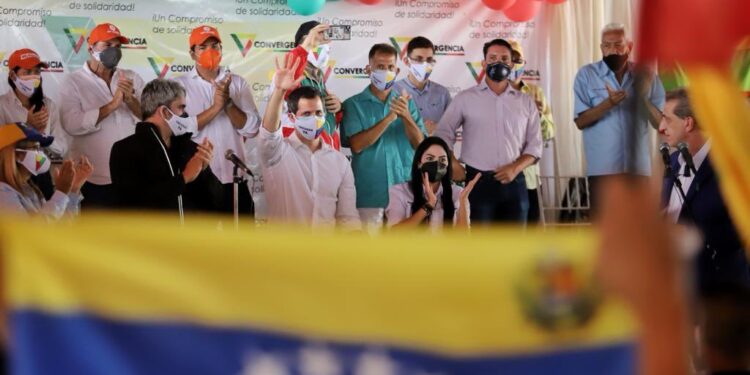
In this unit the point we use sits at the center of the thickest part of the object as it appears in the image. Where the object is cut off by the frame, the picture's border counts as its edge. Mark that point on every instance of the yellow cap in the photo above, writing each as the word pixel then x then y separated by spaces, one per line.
pixel 10 134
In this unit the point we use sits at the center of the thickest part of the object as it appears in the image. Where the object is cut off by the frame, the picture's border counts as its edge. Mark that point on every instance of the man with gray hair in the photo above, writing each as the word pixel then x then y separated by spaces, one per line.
pixel 159 167
pixel 607 95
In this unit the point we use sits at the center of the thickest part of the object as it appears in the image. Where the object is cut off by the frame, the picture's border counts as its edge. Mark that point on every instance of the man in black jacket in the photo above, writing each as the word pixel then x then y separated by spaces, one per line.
pixel 722 258
pixel 159 167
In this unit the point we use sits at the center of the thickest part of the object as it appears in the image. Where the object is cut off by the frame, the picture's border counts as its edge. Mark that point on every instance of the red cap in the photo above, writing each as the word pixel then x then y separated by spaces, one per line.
pixel 25 58
pixel 104 32
pixel 201 33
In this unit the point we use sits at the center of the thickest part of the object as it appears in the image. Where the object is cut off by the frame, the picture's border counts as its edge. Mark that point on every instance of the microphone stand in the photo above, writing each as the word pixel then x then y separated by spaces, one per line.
pixel 236 181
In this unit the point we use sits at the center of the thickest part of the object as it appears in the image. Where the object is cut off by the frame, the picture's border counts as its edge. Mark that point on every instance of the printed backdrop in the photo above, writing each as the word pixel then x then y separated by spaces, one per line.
pixel 255 32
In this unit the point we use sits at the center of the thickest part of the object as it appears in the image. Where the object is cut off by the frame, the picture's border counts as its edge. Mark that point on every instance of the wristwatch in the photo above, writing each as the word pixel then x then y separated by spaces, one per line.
pixel 428 209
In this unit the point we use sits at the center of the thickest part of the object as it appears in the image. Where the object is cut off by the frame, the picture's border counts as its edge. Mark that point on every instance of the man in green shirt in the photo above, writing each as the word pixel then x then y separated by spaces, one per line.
pixel 383 128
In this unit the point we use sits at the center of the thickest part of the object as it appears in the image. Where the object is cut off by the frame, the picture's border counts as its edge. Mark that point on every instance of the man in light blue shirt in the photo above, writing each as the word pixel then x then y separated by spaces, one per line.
pixel 615 140
pixel 431 97
pixel 383 128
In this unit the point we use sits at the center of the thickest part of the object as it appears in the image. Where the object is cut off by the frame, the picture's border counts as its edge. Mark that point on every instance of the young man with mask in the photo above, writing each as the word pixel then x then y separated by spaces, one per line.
pixel 431 97
pixel 25 102
pixel 159 167
pixel 498 143
pixel 221 107
pixel 312 183
pixel 314 52
pixel 100 106
pixel 383 128
pixel 547 123
pixel 614 140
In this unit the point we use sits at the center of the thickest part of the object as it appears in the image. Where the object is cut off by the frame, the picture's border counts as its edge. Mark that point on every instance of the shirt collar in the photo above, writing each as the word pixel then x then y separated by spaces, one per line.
pixel 483 86
pixel 699 156
pixel 415 88
pixel 297 143
pixel 603 70
pixel 87 69
pixel 193 73
pixel 370 96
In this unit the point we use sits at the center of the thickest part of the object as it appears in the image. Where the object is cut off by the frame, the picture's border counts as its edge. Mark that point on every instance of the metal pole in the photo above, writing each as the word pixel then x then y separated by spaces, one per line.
pixel 236 191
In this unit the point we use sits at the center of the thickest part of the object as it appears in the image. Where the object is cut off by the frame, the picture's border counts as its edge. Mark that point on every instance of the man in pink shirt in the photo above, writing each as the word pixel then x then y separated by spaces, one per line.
pixel 501 137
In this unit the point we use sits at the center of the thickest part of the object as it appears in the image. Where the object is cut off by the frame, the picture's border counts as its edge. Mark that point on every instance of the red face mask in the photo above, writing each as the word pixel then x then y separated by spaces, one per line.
pixel 209 59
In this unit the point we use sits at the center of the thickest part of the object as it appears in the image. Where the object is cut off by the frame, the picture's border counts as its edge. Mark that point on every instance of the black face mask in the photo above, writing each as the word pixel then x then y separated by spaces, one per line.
pixel 498 71
pixel 434 169
pixel 615 62
pixel 110 57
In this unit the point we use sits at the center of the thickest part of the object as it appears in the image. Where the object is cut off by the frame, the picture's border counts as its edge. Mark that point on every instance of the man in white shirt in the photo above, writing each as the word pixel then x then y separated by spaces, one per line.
pixel 224 109
pixel 311 182
pixel 100 105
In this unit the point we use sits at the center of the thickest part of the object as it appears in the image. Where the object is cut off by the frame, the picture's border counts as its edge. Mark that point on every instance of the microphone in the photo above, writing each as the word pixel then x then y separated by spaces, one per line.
pixel 231 156
pixel 664 150
pixel 683 148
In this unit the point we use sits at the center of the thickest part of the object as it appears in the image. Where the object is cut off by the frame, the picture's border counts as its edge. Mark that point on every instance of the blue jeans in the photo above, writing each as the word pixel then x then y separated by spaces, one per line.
pixel 493 202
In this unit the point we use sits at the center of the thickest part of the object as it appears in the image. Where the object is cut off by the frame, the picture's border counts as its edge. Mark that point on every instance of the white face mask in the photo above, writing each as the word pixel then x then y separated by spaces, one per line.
pixel 182 124
pixel 320 56
pixel 382 79
pixel 35 161
pixel 420 71
pixel 28 84
pixel 310 126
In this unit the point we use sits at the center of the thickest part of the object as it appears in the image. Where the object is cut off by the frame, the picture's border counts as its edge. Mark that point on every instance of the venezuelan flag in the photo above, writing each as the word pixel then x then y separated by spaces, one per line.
pixel 128 295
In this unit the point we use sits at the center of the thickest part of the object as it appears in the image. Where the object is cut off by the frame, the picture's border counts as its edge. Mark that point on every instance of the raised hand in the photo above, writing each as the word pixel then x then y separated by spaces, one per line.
pixel 430 195
pixel 464 197
pixel 284 78
pixel 314 37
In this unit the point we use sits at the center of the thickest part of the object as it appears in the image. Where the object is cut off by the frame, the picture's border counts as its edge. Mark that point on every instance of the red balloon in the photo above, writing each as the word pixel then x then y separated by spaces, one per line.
pixel 370 2
pixel 523 10
pixel 498 4
pixel 555 1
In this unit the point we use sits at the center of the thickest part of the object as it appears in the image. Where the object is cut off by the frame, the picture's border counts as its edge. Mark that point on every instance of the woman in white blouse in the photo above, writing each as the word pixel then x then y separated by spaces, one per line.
pixel 430 197
pixel 21 158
